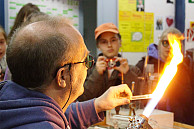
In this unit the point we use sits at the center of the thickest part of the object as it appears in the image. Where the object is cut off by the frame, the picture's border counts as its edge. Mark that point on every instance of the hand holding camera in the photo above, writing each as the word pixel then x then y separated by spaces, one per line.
pixel 111 63
pixel 123 67
pixel 101 64
pixel 117 63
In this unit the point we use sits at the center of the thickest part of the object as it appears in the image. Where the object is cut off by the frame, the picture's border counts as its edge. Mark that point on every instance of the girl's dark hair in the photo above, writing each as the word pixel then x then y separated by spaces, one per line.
pixel 24 12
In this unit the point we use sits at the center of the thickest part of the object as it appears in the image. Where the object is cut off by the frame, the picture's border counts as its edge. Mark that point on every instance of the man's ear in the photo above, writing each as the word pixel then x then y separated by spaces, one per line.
pixel 60 78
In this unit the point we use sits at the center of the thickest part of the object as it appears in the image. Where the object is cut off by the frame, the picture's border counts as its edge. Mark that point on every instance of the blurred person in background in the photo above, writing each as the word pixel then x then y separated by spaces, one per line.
pixel 178 95
pixel 3 45
pixel 111 68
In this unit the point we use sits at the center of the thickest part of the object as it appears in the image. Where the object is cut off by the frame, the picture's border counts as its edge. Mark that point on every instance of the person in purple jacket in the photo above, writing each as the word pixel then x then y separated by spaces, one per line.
pixel 48 61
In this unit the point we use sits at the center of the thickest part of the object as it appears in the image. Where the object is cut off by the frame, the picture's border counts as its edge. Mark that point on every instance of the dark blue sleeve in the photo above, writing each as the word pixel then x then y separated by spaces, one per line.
pixel 39 125
pixel 83 114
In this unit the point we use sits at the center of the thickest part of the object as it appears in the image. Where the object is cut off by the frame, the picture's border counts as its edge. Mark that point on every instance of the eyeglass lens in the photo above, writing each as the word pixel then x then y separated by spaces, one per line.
pixel 165 43
pixel 89 61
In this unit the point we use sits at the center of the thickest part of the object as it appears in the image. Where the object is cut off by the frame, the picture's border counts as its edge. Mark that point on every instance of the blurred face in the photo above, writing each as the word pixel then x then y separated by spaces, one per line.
pixel 109 44
pixel 165 49
pixel 140 2
pixel 2 45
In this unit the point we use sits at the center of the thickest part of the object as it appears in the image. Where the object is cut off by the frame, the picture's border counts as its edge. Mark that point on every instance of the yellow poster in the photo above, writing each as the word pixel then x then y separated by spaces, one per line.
pixel 127 5
pixel 191 24
pixel 136 29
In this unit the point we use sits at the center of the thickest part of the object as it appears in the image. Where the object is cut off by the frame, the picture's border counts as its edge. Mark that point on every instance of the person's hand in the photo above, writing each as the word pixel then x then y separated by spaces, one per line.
pixel 101 64
pixel 114 96
pixel 123 67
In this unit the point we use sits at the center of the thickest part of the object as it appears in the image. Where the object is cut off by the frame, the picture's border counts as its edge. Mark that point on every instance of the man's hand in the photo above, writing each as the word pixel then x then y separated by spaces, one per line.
pixel 101 64
pixel 114 96
pixel 123 67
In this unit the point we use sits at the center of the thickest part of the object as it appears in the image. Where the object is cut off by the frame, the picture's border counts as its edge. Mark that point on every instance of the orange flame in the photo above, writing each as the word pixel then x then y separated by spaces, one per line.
pixel 169 72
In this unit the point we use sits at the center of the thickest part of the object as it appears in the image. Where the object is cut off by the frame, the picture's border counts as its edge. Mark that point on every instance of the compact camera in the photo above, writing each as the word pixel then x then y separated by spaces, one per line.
pixel 112 63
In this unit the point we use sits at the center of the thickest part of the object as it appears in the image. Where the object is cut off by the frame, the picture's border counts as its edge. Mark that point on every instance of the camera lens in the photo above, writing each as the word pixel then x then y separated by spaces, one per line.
pixel 111 63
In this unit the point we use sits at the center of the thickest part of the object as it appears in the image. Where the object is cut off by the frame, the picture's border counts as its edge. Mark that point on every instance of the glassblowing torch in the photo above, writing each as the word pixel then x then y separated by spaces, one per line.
pixel 137 122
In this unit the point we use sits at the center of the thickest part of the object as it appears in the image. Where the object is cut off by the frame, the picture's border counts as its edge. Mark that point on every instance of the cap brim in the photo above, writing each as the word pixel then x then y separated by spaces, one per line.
pixel 109 30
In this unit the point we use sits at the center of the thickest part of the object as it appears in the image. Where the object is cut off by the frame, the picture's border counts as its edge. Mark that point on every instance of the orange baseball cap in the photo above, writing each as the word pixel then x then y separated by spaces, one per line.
pixel 107 27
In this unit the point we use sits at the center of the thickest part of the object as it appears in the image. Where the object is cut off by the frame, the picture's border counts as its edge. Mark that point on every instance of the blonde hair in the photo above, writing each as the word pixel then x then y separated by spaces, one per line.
pixel 165 33
pixel 170 30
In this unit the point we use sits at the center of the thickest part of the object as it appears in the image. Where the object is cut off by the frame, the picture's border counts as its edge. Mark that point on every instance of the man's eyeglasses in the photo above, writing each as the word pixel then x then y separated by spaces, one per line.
pixel 89 62
pixel 165 43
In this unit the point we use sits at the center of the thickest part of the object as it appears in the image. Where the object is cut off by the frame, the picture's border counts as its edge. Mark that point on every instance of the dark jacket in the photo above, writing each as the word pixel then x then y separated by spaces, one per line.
pixel 178 96
pixel 95 84
pixel 21 108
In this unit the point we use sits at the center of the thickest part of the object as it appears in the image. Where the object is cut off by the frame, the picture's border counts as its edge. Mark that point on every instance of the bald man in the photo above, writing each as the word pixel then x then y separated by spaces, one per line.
pixel 48 61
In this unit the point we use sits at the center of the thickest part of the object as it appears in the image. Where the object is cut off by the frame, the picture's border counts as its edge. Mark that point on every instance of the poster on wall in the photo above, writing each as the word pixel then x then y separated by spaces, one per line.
pixel 68 8
pixel 169 1
pixel 170 21
pixel 191 1
pixel 136 29
pixel 127 5
pixel 190 35
pixel 192 25
pixel 190 32
pixel 140 5
pixel 159 24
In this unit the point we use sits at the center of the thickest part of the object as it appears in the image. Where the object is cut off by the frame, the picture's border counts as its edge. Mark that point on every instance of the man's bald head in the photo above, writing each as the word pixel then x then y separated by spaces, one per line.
pixel 39 49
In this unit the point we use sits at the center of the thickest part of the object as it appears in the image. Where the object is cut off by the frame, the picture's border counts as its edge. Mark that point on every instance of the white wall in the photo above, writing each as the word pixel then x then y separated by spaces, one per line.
pixel 189 16
pixel 107 11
